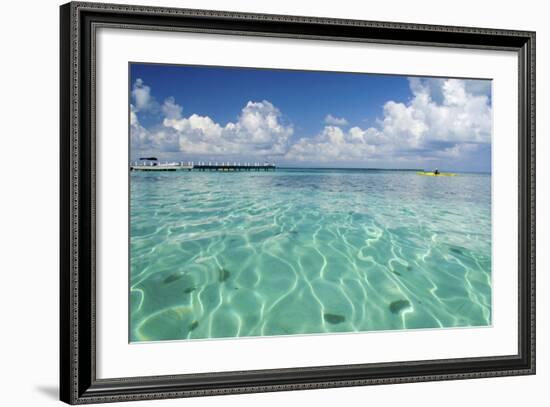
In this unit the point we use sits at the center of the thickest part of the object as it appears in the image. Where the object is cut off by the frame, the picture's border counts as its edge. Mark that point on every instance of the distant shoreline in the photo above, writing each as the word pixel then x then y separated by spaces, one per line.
pixel 378 169
pixel 350 168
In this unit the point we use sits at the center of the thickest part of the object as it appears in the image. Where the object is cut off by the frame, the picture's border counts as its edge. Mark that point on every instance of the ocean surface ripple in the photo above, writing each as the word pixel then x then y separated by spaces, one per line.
pixel 217 255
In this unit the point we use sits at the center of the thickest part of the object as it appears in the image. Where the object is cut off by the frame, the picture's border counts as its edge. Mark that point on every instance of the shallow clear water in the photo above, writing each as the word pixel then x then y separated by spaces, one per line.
pixel 217 255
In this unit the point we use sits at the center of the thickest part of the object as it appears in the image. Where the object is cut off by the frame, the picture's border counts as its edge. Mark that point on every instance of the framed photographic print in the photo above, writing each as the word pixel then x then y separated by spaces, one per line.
pixel 257 203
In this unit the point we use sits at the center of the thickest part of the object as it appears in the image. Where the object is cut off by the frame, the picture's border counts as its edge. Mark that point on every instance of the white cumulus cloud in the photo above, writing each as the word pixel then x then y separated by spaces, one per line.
pixel 258 131
pixel 333 144
pixel 442 111
pixel 171 109
pixel 335 121
pixel 147 141
pixel 141 96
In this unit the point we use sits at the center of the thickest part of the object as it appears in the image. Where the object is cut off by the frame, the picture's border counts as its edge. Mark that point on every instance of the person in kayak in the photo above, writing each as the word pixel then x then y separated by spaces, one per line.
pixel 436 172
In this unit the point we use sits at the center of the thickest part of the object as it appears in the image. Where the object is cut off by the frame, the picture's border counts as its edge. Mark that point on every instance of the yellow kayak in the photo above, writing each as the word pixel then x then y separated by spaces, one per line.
pixel 441 174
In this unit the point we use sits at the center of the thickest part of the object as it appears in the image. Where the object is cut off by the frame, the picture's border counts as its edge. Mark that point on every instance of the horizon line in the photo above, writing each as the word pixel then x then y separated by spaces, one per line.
pixel 294 167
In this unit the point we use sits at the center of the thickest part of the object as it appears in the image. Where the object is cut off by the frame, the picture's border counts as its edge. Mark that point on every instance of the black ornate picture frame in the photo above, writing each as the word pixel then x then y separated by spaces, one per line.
pixel 78 381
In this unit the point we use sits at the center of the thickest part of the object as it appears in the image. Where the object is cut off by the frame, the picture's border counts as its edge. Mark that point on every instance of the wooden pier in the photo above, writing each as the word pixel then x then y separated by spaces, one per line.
pixel 233 167
pixel 202 166
pixel 160 167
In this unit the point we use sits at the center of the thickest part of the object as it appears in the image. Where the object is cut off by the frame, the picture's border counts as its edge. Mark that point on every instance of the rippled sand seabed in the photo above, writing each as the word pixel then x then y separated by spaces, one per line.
pixel 216 255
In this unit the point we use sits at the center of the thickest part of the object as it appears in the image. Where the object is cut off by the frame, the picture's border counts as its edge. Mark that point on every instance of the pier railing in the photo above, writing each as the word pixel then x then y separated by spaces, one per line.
pixel 233 167
pixel 202 166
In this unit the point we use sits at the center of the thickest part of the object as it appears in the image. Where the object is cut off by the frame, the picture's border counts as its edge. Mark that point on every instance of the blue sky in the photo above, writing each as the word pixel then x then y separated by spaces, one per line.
pixel 309 119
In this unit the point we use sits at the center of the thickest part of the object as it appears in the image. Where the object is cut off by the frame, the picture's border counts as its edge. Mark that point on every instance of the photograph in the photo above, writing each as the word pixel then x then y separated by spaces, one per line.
pixel 271 202
pixel 276 200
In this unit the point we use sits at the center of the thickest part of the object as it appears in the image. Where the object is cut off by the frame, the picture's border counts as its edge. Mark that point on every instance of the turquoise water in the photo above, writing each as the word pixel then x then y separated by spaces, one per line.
pixel 216 255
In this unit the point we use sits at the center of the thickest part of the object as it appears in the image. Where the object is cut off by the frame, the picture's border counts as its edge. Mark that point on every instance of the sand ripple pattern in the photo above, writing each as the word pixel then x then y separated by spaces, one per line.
pixel 217 255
